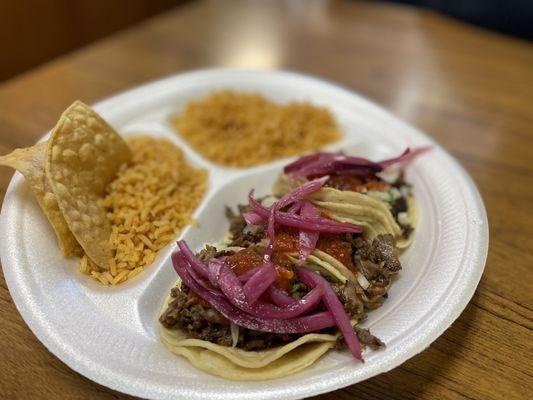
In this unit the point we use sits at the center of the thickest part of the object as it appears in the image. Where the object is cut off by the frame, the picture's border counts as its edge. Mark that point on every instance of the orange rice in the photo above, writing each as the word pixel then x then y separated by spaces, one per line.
pixel 148 204
pixel 242 129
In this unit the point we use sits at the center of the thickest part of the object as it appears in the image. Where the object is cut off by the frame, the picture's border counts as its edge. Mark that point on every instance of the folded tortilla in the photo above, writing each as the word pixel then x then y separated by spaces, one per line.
pixel 238 364
pixel 370 213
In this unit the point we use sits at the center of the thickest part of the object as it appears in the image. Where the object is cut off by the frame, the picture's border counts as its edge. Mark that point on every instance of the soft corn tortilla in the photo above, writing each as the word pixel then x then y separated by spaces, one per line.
pixel 238 364
pixel 283 185
pixel 30 162
pixel 334 263
pixel 243 358
pixel 83 155
pixel 368 212
pixel 324 264
pixel 290 363
pixel 371 214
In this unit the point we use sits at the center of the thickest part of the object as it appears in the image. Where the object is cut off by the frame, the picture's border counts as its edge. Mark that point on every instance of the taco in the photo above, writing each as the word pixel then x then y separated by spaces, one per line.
pixel 288 284
pixel 373 195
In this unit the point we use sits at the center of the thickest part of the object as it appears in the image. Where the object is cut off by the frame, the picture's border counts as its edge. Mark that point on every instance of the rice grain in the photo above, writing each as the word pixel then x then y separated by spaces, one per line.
pixel 154 195
pixel 244 129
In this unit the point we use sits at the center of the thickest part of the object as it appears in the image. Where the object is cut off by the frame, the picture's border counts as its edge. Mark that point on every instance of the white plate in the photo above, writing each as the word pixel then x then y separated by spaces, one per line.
pixel 109 334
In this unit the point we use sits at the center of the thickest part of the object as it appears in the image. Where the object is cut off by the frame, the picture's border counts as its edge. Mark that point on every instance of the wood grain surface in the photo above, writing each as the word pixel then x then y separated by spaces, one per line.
pixel 62 26
pixel 470 89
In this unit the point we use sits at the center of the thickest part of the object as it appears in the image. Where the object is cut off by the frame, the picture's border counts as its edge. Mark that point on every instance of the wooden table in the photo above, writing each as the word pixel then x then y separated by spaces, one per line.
pixel 471 89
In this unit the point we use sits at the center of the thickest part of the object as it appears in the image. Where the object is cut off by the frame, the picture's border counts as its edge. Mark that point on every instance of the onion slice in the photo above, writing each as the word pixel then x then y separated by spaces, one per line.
pixel 406 156
pixel 292 197
pixel 319 224
pixel 320 164
pixel 214 266
pixel 232 289
pixel 279 297
pixel 307 239
pixel 300 192
pixel 308 323
pixel 295 208
pixel 335 166
pixel 300 162
pixel 178 257
pixel 234 329
pixel 260 281
pixel 271 235
pixel 335 307
pixel 361 279
pixel 248 274
pixel 338 158
pixel 198 266
pixel 253 218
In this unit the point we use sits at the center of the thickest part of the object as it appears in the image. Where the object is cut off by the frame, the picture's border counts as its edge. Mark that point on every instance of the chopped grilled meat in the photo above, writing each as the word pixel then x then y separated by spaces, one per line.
pixel 376 290
pixel 367 339
pixel 385 250
pixel 210 252
pixel 207 254
pixel 171 316
pixel 186 311
pixel 399 205
pixel 381 250
pixel 242 234
pixel 251 234
pixel 299 290
pixel 344 182
pixel 407 232
pixel 236 221
pixel 373 272
pixel 374 303
pixel 400 181
pixel 348 296
pixel 254 340
pixel 377 260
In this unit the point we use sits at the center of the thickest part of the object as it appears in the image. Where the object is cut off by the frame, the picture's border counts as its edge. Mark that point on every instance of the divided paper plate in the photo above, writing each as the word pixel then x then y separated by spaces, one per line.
pixel 110 335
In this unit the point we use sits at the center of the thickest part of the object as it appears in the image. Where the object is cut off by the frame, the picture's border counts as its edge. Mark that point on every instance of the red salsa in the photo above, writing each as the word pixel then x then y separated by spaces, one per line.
pixel 356 184
pixel 330 243
pixel 251 257
pixel 287 242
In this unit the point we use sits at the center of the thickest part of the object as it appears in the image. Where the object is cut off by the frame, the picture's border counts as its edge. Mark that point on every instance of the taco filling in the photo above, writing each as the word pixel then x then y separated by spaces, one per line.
pixel 292 279
pixel 373 195
pixel 395 193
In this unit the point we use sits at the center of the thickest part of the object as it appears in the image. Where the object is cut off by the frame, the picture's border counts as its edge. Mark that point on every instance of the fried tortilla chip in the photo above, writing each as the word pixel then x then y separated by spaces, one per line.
pixel 30 163
pixel 83 155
